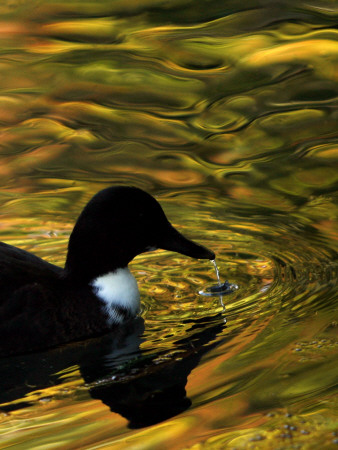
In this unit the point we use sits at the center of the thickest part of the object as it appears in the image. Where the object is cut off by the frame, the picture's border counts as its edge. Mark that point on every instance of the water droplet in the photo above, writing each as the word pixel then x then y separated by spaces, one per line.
pixel 213 261
pixel 220 288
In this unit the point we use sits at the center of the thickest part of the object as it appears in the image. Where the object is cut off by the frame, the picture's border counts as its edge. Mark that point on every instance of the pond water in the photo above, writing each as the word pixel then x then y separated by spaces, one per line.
pixel 226 111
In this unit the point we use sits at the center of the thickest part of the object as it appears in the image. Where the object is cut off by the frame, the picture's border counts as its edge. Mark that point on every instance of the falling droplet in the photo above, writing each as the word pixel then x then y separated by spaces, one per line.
pixel 217 271
pixel 220 288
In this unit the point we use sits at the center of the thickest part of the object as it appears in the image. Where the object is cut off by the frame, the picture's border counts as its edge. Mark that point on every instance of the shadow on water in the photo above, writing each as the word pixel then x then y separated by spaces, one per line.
pixel 144 388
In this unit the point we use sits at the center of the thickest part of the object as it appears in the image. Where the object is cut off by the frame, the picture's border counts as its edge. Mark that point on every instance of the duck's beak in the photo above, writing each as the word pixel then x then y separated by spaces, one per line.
pixel 174 241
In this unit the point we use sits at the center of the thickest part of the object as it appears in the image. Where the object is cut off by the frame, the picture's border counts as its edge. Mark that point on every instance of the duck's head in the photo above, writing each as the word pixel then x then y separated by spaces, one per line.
pixel 117 224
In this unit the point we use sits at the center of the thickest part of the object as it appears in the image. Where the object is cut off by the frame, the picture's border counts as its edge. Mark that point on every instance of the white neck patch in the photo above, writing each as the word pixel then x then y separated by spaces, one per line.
pixel 117 289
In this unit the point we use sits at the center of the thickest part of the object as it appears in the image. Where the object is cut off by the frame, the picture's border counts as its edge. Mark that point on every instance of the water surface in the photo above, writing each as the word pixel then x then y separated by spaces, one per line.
pixel 227 113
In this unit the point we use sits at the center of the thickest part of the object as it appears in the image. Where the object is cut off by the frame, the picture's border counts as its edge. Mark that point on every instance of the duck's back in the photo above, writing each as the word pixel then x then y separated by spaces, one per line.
pixel 19 268
pixel 38 308
pixel 26 283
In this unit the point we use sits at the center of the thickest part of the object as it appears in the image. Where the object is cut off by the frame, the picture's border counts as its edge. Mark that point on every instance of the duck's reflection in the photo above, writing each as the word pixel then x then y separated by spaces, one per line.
pixel 142 387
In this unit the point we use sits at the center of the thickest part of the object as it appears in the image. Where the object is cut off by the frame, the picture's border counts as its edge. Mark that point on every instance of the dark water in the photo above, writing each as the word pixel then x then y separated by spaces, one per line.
pixel 226 111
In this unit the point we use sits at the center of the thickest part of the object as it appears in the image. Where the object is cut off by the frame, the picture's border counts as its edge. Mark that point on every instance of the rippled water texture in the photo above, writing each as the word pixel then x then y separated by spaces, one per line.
pixel 226 111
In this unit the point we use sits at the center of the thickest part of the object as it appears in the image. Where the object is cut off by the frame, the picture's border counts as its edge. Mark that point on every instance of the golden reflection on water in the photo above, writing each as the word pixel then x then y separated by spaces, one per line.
pixel 228 117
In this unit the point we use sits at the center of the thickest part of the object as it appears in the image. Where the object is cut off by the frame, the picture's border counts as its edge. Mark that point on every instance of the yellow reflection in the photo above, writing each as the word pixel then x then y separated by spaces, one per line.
pixel 320 53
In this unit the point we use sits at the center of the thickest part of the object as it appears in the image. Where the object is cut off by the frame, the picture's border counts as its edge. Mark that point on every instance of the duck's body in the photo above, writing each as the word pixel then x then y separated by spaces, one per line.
pixel 42 305
pixel 40 308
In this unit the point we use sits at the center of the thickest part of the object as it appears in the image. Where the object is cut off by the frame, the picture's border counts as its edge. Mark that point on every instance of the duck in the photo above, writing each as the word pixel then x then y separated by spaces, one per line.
pixel 43 305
